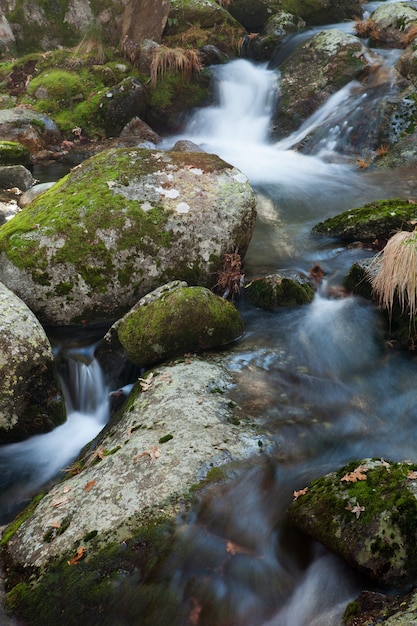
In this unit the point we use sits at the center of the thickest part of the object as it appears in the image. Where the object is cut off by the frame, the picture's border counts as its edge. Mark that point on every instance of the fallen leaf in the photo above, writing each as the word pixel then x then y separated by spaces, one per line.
pixel 89 485
pixel 153 452
pixel 146 383
pixel 80 553
pixel 234 548
pixel 357 474
pixel 55 524
pixel 357 510
pixel 200 400
pixel 297 494
pixel 412 475
pixel 59 501
pixel 194 615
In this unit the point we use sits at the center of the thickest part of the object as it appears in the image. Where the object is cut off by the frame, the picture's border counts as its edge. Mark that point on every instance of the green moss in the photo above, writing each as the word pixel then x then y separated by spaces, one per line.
pixel 375 220
pixel 352 610
pixel 275 291
pixel 166 438
pixel 83 593
pixel 13 153
pixel 18 521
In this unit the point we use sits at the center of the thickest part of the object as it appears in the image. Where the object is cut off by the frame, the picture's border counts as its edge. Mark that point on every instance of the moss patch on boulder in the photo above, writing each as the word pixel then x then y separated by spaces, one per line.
pixel 13 153
pixel 274 291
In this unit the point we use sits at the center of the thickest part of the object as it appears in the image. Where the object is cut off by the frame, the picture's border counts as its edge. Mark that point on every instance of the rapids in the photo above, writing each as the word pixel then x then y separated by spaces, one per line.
pixel 320 378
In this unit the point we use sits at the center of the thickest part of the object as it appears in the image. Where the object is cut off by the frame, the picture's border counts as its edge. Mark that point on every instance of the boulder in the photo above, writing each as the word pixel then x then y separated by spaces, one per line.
pixel 13 153
pixel 316 70
pixel 389 25
pixel 175 320
pixel 31 401
pixel 145 19
pixel 34 130
pixel 374 222
pixel 15 176
pixel 28 196
pixel 277 290
pixel 366 512
pixel 121 224
pixel 121 104
pixel 177 433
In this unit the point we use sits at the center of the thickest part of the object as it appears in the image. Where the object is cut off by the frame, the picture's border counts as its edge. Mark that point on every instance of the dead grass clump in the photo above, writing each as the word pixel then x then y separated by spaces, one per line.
pixel 409 36
pixel 90 45
pixel 367 28
pixel 178 60
pixel 230 276
pixel 396 278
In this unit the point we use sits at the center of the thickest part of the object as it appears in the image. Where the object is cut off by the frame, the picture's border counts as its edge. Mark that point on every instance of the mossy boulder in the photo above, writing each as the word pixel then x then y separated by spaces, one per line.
pixel 275 290
pixel 366 512
pixel 324 11
pixel 173 321
pixel 121 224
pixel 31 401
pixel 389 24
pixel 316 70
pixel 373 607
pixel 13 153
pixel 139 471
pixel 374 221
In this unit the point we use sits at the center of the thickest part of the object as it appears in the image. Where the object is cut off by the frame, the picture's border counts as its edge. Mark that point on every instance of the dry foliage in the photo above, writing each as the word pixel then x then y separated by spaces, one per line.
pixel 382 150
pixel 397 273
pixel 90 44
pixel 178 60
pixel 409 36
pixel 357 474
pixel 230 276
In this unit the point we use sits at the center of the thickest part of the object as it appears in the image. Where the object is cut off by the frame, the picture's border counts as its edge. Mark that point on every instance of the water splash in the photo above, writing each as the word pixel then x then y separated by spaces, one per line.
pixel 27 465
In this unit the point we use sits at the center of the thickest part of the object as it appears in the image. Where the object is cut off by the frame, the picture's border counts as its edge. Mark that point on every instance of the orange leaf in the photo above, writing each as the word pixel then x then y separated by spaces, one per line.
pixel 412 475
pixel 153 452
pixel 234 548
pixel 90 485
pixel 302 492
pixel 55 524
pixel 80 553
pixel 357 474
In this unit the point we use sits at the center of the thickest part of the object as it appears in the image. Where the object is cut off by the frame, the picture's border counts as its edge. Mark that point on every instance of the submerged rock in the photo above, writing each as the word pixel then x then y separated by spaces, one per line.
pixel 31 401
pixel 121 224
pixel 366 512
pixel 276 290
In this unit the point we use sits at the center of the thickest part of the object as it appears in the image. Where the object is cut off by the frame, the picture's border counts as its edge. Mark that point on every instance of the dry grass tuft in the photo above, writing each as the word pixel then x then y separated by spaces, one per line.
pixel 179 60
pixel 367 28
pixel 396 278
pixel 90 44
pixel 230 276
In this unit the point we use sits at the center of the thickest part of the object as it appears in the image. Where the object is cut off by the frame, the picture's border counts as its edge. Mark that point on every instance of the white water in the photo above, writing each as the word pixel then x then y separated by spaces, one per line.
pixel 26 466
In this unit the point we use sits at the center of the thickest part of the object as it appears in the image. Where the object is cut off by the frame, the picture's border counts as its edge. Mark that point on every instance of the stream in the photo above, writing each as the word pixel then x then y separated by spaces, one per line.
pixel 319 378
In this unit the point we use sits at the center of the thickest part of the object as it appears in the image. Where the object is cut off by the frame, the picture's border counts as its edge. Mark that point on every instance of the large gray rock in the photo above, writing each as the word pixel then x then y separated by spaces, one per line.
pixel 30 397
pixel 145 19
pixel 121 224
pixel 177 425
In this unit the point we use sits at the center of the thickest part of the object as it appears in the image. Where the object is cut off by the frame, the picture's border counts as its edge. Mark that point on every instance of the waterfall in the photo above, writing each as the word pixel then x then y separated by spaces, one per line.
pixel 27 465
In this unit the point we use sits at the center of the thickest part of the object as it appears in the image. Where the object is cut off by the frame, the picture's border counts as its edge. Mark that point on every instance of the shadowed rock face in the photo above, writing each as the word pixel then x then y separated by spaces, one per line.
pixel 30 397
pixel 121 224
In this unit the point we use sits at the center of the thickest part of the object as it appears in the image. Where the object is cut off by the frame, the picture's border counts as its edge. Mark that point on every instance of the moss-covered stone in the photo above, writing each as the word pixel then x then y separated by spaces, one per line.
pixel 121 224
pixel 367 513
pixel 374 221
pixel 275 290
pixel 13 153
pixel 180 320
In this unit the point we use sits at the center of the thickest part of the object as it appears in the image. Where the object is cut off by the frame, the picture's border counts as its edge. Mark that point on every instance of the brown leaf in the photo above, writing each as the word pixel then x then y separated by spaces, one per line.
pixel 194 615
pixel 302 492
pixel 234 548
pixel 412 475
pixel 153 452
pixel 59 501
pixel 357 474
pixel 80 554
pixel 146 383
pixel 357 510
pixel 55 524
pixel 89 485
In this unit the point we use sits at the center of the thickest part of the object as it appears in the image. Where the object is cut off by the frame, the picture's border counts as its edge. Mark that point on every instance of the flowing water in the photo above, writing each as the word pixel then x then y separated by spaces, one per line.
pixel 319 378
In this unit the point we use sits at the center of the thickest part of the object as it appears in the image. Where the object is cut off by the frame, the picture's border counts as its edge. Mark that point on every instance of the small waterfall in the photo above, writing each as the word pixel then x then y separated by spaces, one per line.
pixel 27 465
